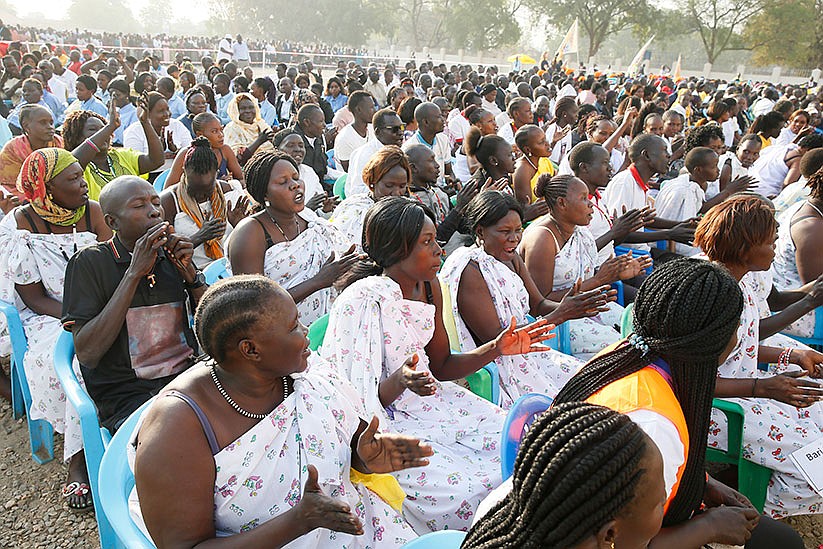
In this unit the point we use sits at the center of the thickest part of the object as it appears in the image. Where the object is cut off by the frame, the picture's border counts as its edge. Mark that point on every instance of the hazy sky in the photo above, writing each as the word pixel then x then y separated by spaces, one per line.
pixel 191 10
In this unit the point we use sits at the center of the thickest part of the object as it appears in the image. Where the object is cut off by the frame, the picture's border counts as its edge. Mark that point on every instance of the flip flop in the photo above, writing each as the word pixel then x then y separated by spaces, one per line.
pixel 79 489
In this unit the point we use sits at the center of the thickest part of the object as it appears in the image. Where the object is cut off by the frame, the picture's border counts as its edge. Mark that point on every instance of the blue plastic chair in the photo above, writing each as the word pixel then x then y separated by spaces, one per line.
pixel 41 434
pixel 317 332
pixel 160 182
pixel 116 482
pixel 522 414
pixel 561 342
pixel 445 539
pixel 95 437
pixel 618 285
pixel 216 271
pixel 816 340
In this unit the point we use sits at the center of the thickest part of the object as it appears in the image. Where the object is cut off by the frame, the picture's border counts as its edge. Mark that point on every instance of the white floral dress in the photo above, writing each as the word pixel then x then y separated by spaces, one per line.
pixel 261 474
pixel 760 283
pixel 372 331
pixel 28 258
pixel 349 215
pixel 784 269
pixel 545 372
pixel 577 259
pixel 295 261
pixel 771 430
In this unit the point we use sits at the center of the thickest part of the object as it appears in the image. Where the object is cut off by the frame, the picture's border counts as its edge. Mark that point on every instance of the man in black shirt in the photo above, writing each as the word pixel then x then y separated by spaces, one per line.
pixel 125 302
pixel 310 125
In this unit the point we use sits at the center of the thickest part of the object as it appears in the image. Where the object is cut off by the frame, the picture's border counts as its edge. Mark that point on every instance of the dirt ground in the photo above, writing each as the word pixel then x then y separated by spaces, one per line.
pixel 32 514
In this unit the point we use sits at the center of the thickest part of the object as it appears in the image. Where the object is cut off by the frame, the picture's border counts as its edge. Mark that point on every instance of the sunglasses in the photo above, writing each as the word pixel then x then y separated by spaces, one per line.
pixel 395 129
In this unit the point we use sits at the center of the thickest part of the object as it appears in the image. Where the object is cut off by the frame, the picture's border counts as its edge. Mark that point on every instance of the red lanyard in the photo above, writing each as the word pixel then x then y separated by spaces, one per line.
pixel 595 198
pixel 638 179
pixel 442 213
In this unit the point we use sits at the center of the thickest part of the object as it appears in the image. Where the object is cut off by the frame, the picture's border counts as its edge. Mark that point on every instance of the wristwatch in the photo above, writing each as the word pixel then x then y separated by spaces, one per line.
pixel 198 282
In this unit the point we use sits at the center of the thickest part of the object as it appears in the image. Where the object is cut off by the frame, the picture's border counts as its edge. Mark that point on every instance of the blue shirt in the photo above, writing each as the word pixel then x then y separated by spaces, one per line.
pixel 222 107
pixel 14 115
pixel 91 104
pixel 337 103
pixel 269 113
pixel 104 96
pixel 55 106
pixel 128 116
pixel 177 107
pixel 5 132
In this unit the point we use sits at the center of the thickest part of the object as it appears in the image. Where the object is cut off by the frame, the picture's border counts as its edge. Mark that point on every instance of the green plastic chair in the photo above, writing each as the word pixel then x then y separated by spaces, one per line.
pixel 340 187
pixel 317 331
pixel 752 479
pixel 626 321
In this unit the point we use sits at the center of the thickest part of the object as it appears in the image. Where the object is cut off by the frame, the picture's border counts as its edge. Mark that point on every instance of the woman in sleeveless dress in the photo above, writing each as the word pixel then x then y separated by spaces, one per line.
pixel 286 241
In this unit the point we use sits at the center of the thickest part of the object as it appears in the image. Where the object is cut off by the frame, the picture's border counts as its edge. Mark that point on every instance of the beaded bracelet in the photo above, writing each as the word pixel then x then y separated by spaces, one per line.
pixel 783 359
pixel 91 144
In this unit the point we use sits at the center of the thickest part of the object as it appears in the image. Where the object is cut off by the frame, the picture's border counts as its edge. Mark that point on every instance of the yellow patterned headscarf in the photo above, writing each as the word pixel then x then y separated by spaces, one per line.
pixel 39 168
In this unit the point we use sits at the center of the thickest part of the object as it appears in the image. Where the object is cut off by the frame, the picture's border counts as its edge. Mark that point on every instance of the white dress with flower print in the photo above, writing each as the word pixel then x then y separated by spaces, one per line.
pixel 261 474
pixel 577 259
pixel 372 331
pixel 28 258
pixel 295 261
pixel 772 430
pixel 544 372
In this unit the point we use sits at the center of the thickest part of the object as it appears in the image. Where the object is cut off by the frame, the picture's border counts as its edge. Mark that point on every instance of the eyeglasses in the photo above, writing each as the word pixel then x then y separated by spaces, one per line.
pixel 395 129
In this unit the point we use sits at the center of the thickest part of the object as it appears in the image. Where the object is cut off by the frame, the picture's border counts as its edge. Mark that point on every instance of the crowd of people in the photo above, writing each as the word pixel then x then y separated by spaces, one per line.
pixel 435 219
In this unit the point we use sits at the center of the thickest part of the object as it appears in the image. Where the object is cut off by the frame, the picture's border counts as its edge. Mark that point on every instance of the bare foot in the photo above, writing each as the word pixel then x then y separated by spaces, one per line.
pixel 77 491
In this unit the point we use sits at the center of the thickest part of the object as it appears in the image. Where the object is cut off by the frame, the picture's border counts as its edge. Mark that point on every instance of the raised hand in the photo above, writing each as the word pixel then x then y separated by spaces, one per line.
pixel 114 116
pixel 742 184
pixel 810 360
pixel 465 195
pixel 789 388
pixel 212 229
pixel 334 269
pixel 635 267
pixel 180 250
pixel 501 185
pixel 316 201
pixel 683 232
pixel 631 221
pixel 317 510
pixel 142 107
pixel 170 142
pixel 421 383
pixel 239 211
pixel 387 452
pixel 519 341
pixel 145 249
pixel 612 268
pixel 8 202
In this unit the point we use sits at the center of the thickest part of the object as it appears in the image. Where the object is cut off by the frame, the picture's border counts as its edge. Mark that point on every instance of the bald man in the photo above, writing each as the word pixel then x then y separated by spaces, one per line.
pixel 429 132
pixel 126 302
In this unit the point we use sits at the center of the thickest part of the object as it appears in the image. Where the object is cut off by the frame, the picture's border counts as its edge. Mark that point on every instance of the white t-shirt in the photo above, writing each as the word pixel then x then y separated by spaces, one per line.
pixel 680 199
pixel 440 147
pixel 459 127
pixel 225 44
pixel 134 138
pixel 730 127
pixel 659 428
pixel 623 190
pixel 359 158
pixel 348 140
pixel 506 132
pixel 600 225
pixel 241 51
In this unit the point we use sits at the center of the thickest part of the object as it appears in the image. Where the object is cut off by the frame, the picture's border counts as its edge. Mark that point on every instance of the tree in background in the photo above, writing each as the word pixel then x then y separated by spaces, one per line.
pixel 718 22
pixel 156 16
pixel 598 19
pixel 483 24
pixel 766 33
pixel 110 15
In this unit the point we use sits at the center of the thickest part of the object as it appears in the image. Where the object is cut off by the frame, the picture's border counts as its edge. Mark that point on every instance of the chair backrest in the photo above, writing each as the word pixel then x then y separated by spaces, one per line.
pixel 160 182
pixel 340 187
pixel 95 437
pixel 520 417
pixel 116 481
pixel 216 271
pixel 21 397
pixel 317 331
pixel 445 539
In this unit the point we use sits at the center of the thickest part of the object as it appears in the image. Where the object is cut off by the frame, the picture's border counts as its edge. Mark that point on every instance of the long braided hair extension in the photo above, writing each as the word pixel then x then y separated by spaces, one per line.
pixel 577 468
pixel 687 312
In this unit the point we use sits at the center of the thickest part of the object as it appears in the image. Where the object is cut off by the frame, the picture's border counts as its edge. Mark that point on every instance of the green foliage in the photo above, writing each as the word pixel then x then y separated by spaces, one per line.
pixel 766 34
pixel 109 15
pixel 719 22
pixel 482 24
pixel 598 18
pixel 156 16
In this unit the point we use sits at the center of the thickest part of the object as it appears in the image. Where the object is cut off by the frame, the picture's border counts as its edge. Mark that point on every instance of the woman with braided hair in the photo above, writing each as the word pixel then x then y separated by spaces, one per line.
pixel 88 135
pixel 585 477
pixel 663 377
pixel 207 125
pixel 202 207
pixel 782 405
pixel 286 241
pixel 559 251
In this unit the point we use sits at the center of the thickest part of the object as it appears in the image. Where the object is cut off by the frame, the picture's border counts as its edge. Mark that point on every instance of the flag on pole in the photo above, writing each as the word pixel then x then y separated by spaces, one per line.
pixel 570 42
pixel 634 67
pixel 676 72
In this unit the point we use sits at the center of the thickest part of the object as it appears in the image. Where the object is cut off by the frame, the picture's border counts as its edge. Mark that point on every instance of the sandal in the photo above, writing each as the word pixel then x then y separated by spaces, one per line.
pixel 80 490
